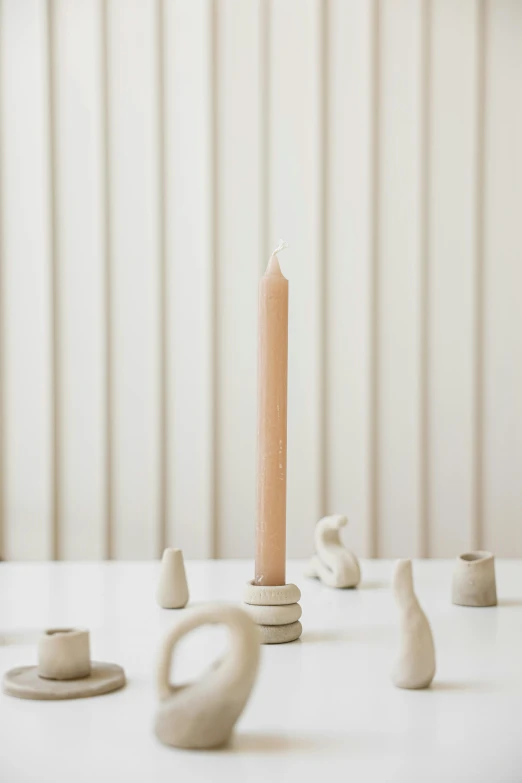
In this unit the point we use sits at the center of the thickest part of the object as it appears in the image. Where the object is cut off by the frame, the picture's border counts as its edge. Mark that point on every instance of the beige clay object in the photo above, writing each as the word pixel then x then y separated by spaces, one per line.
pixel 474 582
pixel 274 615
pixel 280 634
pixel 202 714
pixel 64 654
pixel 172 591
pixel 333 563
pixel 276 610
pixel 25 683
pixel 281 595
pixel 415 664
pixel 64 671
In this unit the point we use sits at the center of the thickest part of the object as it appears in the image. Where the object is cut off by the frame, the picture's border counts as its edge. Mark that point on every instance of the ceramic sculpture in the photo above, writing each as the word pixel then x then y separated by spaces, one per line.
pixel 64 671
pixel 276 611
pixel 274 615
pixel 474 582
pixel 64 654
pixel 333 563
pixel 202 714
pixel 172 591
pixel 415 664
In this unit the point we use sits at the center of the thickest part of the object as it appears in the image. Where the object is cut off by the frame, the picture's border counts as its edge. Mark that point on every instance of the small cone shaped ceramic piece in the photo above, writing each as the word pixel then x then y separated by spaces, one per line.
pixel 415 664
pixel 333 563
pixel 474 582
pixel 202 714
pixel 172 591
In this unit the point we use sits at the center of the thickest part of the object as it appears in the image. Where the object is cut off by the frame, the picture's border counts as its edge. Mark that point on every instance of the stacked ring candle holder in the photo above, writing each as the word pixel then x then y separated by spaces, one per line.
pixel 276 610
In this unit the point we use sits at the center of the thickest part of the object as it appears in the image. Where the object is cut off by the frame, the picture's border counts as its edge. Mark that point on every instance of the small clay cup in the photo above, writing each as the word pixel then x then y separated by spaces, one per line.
pixel 474 582
pixel 64 654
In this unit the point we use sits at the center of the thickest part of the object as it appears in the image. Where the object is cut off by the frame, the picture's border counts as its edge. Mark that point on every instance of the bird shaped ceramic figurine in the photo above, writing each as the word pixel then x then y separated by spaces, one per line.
pixel 333 563
pixel 202 714
pixel 415 664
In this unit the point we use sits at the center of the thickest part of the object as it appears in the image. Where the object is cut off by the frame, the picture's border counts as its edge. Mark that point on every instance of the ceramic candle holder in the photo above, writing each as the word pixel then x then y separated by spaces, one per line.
pixel 276 611
pixel 64 654
pixel 64 670
pixel 474 582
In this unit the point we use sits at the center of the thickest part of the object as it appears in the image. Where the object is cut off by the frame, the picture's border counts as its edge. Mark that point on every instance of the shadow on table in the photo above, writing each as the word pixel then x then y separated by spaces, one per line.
pixel 356 744
pixel 469 687
pixel 277 743
pixel 373 633
pixel 510 602
pixel 374 584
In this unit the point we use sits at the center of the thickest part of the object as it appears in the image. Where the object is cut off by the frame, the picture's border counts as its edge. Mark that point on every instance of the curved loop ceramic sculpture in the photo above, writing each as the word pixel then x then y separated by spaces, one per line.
pixel 333 563
pixel 415 664
pixel 474 582
pixel 202 714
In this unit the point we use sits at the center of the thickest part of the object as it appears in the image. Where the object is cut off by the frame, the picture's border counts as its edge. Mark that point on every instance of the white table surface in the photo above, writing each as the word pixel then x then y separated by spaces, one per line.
pixel 322 706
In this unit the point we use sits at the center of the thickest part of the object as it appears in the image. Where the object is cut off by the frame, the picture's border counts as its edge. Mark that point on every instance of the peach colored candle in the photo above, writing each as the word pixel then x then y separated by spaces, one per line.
pixel 271 425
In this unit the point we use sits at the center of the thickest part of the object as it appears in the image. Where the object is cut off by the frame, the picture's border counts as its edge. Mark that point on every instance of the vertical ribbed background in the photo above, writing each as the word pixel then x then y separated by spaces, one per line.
pixel 151 154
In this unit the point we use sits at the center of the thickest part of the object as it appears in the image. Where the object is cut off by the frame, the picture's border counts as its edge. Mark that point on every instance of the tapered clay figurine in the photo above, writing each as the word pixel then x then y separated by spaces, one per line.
pixel 333 563
pixel 415 664
pixel 172 591
pixel 203 713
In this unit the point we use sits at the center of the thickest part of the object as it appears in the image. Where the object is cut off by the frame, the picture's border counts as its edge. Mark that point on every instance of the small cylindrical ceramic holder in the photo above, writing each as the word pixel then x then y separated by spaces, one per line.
pixel 474 581
pixel 64 654
pixel 275 609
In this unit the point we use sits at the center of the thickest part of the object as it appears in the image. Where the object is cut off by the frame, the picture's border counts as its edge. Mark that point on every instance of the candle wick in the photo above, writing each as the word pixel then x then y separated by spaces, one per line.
pixel 281 246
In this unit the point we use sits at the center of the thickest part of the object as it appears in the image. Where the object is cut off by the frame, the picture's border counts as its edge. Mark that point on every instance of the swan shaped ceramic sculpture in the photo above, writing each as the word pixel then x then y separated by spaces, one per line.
pixel 415 664
pixel 333 564
pixel 202 714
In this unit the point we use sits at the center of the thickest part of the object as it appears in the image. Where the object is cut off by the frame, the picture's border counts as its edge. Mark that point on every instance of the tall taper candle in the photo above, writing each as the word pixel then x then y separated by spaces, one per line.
pixel 271 425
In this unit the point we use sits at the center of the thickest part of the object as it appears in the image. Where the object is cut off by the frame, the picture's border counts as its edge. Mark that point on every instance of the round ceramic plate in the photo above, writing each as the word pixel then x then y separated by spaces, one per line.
pixel 24 682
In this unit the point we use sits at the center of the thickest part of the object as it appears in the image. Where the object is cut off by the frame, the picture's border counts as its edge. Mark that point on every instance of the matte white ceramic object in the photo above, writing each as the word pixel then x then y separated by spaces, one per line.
pixel 24 682
pixel 276 611
pixel 415 664
pixel 172 591
pixel 64 670
pixel 333 563
pixel 280 634
pixel 202 714
pixel 280 595
pixel 274 615
pixel 64 654
pixel 474 582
